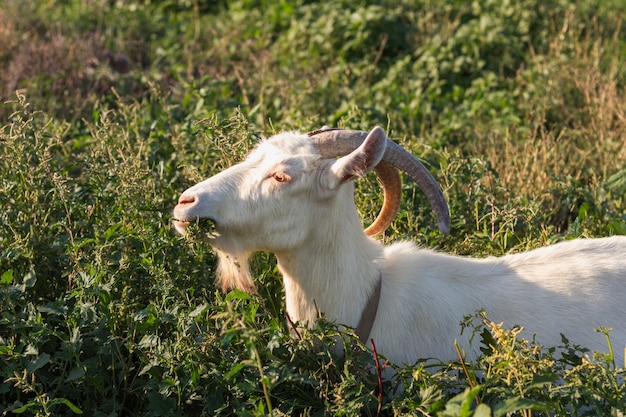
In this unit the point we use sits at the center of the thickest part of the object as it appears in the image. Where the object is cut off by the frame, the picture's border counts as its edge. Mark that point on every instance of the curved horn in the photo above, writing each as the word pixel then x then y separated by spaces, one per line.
pixel 338 142
pixel 392 195
pixel 390 181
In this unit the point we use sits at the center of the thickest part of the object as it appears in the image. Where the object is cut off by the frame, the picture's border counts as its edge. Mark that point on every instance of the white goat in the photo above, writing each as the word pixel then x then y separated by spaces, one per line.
pixel 292 197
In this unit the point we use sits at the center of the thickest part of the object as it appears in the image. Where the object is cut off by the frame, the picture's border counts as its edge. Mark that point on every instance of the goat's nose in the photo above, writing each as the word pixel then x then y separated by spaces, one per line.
pixel 185 200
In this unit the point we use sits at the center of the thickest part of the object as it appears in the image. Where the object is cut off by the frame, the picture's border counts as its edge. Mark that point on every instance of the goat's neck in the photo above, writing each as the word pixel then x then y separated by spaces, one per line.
pixel 333 272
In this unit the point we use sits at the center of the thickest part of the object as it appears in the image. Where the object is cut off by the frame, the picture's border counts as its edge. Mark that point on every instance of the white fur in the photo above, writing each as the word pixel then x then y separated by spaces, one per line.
pixel 329 265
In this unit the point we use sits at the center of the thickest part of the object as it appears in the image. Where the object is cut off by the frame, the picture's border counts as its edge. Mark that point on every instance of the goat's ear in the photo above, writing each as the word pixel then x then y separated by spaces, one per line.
pixel 360 161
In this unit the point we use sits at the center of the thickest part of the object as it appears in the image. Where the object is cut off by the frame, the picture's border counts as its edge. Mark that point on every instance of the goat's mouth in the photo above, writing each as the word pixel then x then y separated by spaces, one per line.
pixel 205 226
pixel 180 226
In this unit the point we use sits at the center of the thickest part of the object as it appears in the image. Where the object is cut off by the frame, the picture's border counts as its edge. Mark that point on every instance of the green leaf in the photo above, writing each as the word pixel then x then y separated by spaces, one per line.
pixel 198 310
pixel 112 231
pixel 617 181
pixel 23 408
pixel 482 410
pixel 7 277
pixel 461 404
pixel 75 373
pixel 30 279
pixel 39 362
pixel 52 308
pixel 71 406
pixel 488 341
pixel 234 370
pixel 148 340
pixel 237 295
pixel 541 380
pixel 516 404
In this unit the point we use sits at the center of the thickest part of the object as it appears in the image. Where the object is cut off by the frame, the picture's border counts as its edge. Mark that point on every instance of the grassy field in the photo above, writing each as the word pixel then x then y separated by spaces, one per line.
pixel 110 109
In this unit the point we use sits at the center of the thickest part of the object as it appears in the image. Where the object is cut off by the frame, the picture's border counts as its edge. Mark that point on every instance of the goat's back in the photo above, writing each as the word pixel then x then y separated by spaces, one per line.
pixel 570 288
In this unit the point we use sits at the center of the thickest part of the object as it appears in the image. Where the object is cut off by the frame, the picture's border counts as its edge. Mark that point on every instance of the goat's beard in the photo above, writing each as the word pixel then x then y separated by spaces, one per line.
pixel 233 271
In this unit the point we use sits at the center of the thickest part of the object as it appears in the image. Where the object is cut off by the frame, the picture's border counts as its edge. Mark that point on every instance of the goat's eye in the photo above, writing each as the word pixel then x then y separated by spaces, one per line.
pixel 280 176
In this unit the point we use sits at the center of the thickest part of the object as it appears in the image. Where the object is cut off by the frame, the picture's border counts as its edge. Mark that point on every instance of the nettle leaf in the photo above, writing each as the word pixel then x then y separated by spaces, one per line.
pixel 75 373
pixel 543 380
pixel 517 404
pixel 198 310
pixel 38 362
pixel 148 340
pixel 462 404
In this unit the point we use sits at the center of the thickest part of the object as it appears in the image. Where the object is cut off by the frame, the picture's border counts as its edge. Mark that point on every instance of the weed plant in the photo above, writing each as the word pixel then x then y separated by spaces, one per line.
pixel 111 109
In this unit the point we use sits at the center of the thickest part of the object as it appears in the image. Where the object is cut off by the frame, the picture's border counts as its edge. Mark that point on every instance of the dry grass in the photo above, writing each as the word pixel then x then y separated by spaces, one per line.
pixel 577 117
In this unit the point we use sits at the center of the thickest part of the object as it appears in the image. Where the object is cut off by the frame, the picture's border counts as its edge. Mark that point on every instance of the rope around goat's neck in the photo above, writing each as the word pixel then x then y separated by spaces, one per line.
pixel 368 315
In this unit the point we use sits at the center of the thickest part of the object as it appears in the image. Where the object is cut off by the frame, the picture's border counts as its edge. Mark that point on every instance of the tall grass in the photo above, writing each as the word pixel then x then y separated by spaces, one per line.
pixel 110 109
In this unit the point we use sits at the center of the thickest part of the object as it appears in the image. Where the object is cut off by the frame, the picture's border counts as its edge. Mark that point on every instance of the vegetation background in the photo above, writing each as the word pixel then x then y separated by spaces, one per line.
pixel 111 108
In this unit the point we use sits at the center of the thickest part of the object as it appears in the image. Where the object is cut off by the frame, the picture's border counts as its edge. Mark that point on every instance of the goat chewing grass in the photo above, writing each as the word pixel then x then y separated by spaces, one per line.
pixel 294 196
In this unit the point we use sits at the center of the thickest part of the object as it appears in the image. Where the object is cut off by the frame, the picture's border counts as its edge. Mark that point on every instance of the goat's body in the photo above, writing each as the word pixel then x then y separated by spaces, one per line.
pixel 287 199
pixel 567 288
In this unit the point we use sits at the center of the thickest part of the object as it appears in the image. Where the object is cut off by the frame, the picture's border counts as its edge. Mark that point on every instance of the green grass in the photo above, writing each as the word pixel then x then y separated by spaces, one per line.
pixel 111 109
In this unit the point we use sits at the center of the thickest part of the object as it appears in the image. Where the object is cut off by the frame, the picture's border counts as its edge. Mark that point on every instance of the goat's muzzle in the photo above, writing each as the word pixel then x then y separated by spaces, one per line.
pixel 180 221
